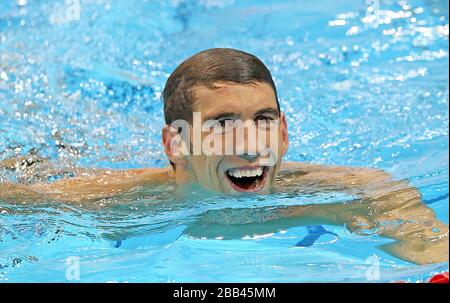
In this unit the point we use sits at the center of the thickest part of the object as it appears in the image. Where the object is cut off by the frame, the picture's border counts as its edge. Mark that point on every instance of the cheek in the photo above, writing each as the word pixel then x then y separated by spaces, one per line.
pixel 282 144
pixel 274 141
pixel 209 168
pixel 199 166
pixel 214 163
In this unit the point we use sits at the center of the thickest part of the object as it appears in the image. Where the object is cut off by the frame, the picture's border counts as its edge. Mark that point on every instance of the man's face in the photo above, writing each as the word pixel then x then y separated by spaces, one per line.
pixel 245 169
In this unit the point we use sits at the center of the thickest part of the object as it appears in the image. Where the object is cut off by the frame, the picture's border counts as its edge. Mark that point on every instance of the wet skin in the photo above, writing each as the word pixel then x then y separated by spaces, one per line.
pixel 421 238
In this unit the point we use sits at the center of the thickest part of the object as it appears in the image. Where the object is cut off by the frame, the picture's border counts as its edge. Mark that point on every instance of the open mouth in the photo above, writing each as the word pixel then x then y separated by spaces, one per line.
pixel 246 179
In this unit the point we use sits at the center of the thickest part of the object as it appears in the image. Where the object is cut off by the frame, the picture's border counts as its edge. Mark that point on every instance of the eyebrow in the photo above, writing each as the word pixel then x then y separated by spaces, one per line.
pixel 222 115
pixel 268 110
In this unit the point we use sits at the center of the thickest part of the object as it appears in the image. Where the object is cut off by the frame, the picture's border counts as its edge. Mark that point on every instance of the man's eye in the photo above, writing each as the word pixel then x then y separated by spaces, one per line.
pixel 264 122
pixel 268 119
pixel 224 122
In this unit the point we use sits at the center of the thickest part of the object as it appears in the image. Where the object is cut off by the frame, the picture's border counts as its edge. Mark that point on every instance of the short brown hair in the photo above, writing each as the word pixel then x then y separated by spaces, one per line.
pixel 206 68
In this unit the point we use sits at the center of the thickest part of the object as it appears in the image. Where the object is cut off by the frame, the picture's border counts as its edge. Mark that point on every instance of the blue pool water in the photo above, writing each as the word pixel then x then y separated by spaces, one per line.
pixel 363 83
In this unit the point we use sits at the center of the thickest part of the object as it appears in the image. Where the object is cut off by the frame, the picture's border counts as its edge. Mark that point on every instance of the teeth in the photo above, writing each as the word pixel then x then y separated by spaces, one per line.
pixel 239 173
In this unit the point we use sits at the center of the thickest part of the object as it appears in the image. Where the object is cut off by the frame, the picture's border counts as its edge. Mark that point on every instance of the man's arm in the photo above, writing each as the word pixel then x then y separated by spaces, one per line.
pixel 86 187
pixel 391 208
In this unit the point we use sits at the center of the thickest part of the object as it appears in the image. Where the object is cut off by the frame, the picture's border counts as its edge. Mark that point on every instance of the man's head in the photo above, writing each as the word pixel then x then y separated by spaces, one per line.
pixel 221 86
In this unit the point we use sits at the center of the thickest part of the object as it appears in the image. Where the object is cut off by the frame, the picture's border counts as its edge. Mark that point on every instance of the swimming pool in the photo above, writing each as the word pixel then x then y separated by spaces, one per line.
pixel 362 84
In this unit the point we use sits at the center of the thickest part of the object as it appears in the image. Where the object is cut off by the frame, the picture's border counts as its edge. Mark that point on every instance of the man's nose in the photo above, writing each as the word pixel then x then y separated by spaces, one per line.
pixel 250 157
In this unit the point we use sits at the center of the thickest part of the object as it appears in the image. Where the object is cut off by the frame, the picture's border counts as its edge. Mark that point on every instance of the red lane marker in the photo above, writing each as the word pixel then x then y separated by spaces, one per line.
pixel 440 278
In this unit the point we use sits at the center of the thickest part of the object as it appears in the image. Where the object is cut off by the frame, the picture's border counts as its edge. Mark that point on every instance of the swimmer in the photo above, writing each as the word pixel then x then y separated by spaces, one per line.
pixel 204 98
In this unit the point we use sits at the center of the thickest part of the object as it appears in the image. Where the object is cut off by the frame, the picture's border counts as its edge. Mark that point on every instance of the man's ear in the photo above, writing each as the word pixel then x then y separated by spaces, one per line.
pixel 284 134
pixel 174 146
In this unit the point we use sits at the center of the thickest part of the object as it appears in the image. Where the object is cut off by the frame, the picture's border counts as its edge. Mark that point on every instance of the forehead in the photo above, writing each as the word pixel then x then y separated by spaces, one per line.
pixel 240 99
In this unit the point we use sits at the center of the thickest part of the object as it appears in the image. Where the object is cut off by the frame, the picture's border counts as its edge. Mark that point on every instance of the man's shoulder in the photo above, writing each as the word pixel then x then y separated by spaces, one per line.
pixel 150 174
pixel 312 167
pixel 301 166
pixel 332 173
pixel 140 176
